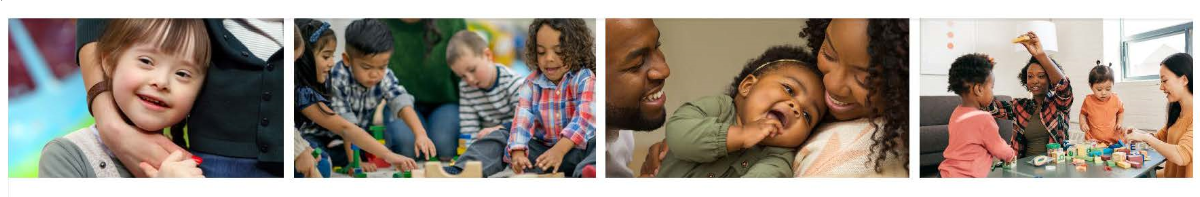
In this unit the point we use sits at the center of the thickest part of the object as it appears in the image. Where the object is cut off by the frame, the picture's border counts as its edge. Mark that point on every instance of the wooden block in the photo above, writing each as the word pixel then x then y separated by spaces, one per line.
pixel 1081 168
pixel 1123 164
pixel 1119 156
pixel 1135 164
pixel 1135 158
pixel 434 170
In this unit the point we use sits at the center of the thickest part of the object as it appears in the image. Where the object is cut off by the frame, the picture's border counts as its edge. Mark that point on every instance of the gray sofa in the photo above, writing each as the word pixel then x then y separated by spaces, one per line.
pixel 935 120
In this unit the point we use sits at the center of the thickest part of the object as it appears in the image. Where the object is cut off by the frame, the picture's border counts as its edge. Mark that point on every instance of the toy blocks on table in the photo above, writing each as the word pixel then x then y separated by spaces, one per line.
pixel 1136 158
pixel 1119 156
pixel 1135 164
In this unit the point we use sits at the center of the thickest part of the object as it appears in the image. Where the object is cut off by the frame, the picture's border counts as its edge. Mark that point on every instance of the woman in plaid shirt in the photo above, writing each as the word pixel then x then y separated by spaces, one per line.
pixel 1051 102
pixel 554 125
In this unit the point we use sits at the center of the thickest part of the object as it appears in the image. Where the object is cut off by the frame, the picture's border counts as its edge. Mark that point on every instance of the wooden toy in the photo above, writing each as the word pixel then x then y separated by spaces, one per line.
pixel 1078 162
pixel 474 169
pixel 1123 164
pixel 1135 164
pixel 1081 168
pixel 1112 163
pixel 1135 158
pixel 1119 156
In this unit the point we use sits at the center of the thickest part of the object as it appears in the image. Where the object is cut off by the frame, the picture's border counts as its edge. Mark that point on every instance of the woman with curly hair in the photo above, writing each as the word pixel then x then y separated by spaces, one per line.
pixel 1042 119
pixel 554 129
pixel 865 66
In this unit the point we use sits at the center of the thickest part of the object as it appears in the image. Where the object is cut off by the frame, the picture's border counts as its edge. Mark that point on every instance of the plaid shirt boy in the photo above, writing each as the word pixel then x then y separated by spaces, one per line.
pixel 547 112
pixel 355 103
pixel 1054 114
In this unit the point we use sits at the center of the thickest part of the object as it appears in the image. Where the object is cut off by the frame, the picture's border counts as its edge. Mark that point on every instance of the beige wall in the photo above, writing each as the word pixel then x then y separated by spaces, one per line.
pixel 705 54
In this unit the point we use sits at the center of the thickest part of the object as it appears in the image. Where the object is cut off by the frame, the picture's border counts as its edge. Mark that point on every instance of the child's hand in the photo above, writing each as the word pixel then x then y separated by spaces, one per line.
pixel 425 146
pixel 305 163
pixel 755 132
pixel 1085 128
pixel 175 166
pixel 520 161
pixel 401 162
pixel 654 158
pixel 367 166
pixel 552 159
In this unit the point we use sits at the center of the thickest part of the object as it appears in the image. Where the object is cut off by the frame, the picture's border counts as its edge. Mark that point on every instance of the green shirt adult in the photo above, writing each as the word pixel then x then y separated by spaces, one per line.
pixel 697 133
pixel 419 58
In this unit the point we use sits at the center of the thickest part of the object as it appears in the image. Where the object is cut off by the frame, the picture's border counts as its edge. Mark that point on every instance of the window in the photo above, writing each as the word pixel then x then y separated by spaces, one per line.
pixel 1145 43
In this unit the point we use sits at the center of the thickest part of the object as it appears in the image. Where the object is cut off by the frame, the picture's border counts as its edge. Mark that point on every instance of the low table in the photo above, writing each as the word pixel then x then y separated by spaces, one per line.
pixel 1023 169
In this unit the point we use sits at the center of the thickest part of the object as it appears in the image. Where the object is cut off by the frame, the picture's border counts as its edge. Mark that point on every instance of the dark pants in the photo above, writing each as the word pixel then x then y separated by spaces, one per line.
pixel 573 162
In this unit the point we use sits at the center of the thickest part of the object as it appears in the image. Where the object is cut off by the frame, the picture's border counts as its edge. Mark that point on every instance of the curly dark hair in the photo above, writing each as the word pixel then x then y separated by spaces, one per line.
pixel 578 46
pixel 1025 77
pixel 1101 73
pixel 887 83
pixel 967 70
pixel 772 54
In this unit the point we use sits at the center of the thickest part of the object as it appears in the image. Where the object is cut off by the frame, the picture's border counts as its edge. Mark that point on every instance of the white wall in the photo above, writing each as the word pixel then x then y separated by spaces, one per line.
pixel 1081 42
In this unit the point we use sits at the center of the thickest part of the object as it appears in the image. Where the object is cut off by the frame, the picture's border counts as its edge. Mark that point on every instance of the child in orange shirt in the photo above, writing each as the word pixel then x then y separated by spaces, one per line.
pixel 974 134
pixel 1102 112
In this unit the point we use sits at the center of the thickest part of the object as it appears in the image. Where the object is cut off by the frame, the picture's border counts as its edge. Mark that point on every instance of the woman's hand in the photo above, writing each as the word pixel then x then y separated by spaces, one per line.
pixel 1132 135
pixel 1033 45
pixel 425 146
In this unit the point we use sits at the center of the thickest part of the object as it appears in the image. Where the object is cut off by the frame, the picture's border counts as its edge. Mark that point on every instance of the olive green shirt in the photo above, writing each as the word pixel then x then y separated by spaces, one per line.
pixel 697 133
pixel 421 64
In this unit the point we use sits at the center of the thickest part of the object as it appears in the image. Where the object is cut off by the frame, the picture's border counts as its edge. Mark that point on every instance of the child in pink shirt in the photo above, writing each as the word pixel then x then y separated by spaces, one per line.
pixel 974 136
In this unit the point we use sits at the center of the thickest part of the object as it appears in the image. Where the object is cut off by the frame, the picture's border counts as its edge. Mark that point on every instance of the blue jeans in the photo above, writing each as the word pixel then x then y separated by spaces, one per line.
pixel 441 125
pixel 216 166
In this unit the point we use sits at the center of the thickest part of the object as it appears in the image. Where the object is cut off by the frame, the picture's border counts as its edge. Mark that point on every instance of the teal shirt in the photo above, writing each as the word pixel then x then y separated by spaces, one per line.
pixel 697 133
pixel 422 69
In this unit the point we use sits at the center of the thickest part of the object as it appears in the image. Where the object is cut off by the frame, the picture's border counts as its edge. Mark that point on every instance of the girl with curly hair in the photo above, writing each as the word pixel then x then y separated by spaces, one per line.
pixel 554 126
pixel 865 66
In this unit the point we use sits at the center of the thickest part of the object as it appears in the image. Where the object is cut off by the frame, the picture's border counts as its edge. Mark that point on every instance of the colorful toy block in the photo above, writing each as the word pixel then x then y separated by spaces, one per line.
pixel 1123 164
pixel 1081 168
pixel 1135 164
pixel 1119 156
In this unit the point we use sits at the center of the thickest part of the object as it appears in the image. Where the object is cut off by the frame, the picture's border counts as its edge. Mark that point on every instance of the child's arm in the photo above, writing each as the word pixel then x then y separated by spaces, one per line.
pixel 61 159
pixel 1083 123
pixel 522 131
pixel 776 164
pixel 989 134
pixel 468 120
pixel 354 135
pixel 130 144
pixel 1120 118
pixel 695 134
pixel 304 162
pixel 398 98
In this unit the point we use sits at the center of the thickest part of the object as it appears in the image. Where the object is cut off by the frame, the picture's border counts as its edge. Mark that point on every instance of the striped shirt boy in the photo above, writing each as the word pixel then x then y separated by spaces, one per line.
pixel 482 108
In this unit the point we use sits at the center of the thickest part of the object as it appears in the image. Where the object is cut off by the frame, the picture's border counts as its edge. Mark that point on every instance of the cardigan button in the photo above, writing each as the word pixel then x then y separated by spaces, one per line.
pixel 266 96
pixel 245 54
pixel 103 164
pixel 265 122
